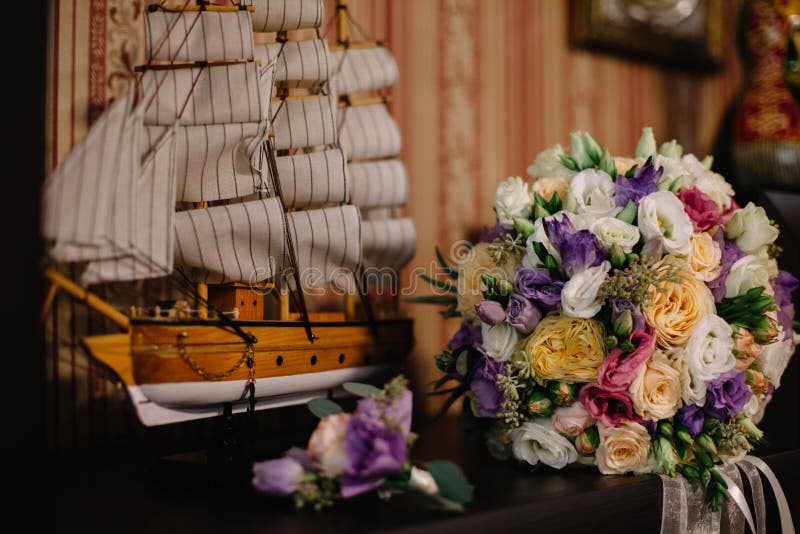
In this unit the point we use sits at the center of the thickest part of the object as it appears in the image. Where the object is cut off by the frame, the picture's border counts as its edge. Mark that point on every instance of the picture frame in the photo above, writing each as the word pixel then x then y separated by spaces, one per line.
pixel 681 34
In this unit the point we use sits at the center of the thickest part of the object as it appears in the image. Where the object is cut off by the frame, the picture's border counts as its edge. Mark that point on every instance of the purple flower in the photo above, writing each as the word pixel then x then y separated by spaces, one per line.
pixel 620 306
pixel 490 312
pixel 466 335
pixel 375 448
pixel 489 234
pixel 644 182
pixel 692 417
pixel 557 229
pixel 727 395
pixel 783 285
pixel 537 285
pixel 484 389
pixel 730 253
pixel 522 314
pixel 579 251
pixel 277 477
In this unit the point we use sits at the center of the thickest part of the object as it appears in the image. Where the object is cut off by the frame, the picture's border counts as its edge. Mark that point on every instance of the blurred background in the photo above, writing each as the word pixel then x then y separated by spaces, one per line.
pixel 485 85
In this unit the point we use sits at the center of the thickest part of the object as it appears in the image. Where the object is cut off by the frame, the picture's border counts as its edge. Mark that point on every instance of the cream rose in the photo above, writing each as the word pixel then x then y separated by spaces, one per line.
pixel 709 351
pixel 326 445
pixel 656 390
pixel 693 390
pixel 751 228
pixel 623 164
pixel 536 441
pixel 547 186
pixel 579 296
pixel 623 449
pixel 572 420
pixel 678 306
pixel 476 262
pixel 612 231
pixel 594 193
pixel 513 198
pixel 499 341
pixel 661 216
pixel 704 257
pixel 748 272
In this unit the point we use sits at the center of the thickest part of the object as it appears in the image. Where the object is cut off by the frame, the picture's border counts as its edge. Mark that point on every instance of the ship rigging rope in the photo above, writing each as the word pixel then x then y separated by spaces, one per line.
pixel 247 357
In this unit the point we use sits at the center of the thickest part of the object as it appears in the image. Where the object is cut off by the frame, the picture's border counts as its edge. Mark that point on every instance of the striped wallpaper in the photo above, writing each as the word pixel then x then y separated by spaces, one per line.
pixel 484 85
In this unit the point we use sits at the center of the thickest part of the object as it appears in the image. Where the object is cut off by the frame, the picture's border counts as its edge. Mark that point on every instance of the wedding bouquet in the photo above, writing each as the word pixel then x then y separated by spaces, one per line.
pixel 624 313
pixel 352 454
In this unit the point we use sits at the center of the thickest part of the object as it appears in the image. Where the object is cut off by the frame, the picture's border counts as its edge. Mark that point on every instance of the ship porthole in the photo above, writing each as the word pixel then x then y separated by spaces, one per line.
pixel 313 359
pixel 341 358
pixel 279 361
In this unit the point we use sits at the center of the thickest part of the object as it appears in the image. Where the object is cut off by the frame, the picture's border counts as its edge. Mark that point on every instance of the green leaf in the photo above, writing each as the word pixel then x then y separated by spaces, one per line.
pixel 452 273
pixel 628 214
pixel 446 286
pixel 361 390
pixel 323 407
pixel 451 481
pixel 569 162
pixel 432 299
pixel 447 404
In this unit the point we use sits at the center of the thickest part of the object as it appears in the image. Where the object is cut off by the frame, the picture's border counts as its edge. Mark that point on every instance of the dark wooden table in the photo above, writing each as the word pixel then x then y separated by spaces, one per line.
pixel 122 494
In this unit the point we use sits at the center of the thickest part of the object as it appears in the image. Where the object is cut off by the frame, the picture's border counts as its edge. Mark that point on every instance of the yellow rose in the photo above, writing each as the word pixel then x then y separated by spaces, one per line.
pixel 623 449
pixel 568 349
pixel 705 256
pixel 547 186
pixel 477 262
pixel 675 307
pixel 656 390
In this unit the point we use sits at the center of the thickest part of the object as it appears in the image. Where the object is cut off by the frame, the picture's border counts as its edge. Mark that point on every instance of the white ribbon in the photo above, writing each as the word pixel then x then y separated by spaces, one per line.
pixel 738 497
pixel 674 510
pixel 787 527
pixel 757 490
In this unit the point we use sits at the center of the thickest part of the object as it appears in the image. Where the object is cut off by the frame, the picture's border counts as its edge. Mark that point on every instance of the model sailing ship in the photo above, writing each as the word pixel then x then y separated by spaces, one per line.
pixel 241 172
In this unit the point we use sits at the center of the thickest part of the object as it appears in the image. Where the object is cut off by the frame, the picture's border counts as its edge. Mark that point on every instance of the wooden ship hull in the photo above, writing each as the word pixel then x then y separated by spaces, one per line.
pixel 167 366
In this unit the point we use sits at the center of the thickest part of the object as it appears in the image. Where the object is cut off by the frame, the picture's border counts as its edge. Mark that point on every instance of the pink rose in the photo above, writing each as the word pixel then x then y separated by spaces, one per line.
pixel 728 213
pixel 572 420
pixel 619 369
pixel 609 407
pixel 703 211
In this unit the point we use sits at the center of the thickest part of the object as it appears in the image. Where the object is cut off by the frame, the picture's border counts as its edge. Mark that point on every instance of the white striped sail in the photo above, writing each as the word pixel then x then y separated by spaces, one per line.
pixel 151 252
pixel 364 69
pixel 87 201
pixel 313 179
pixel 298 64
pixel 213 94
pixel 327 244
pixel 382 183
pixel 193 35
pixel 241 242
pixel 304 122
pixel 368 132
pixel 286 15
pixel 388 243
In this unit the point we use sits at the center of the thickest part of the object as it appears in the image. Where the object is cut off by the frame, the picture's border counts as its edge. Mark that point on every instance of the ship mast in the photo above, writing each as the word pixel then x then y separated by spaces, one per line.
pixel 342 35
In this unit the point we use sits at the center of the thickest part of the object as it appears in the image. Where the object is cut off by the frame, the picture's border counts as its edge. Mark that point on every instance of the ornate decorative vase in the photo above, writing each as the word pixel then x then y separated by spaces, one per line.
pixel 766 126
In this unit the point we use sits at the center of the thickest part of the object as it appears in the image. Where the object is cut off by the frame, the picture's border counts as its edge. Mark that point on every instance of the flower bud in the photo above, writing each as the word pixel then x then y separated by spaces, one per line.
pixel 690 472
pixel 752 430
pixel 587 441
pixel 579 151
pixel 682 433
pixel 704 458
pixel 524 227
pixel 540 404
pixel 539 212
pixel 676 184
pixel 563 393
pixel 705 441
pixel 623 326
pixel 591 147
pixel 628 213
pixel 665 429
pixel 490 312
pixel 665 454
pixel 671 149
pixel 505 287
pixel 708 161
pixel 647 144
pixel 610 342
pixel 570 204
pixel 607 164
pixel 618 256
pixel 757 381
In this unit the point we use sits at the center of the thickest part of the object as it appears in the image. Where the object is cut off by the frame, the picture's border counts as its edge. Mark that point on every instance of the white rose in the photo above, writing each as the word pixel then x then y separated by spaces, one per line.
pixel 623 449
pixel 705 257
pixel 594 193
pixel 579 296
pixel 751 229
pixel 499 341
pixel 536 441
pixel 709 351
pixel 748 272
pixel 770 265
pixel 326 445
pixel 572 420
pixel 513 198
pixel 673 168
pixel 656 390
pixel 548 163
pixel 693 390
pixel 661 215
pixel 710 183
pixel 612 231
pixel 775 357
